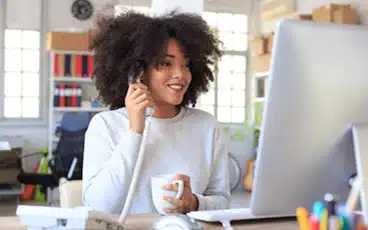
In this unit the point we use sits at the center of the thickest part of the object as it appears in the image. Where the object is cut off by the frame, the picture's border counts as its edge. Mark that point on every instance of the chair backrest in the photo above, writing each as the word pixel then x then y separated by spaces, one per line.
pixel 70 146
pixel 71 194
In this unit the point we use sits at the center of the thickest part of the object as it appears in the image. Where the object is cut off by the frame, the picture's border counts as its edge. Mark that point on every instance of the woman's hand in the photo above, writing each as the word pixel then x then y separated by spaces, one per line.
pixel 188 201
pixel 137 100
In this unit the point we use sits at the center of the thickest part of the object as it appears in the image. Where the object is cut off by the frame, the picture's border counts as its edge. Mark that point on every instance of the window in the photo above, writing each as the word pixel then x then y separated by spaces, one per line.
pixel 21 74
pixel 227 97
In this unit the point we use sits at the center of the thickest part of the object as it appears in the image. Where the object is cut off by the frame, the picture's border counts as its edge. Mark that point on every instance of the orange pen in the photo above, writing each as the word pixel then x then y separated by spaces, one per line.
pixel 302 216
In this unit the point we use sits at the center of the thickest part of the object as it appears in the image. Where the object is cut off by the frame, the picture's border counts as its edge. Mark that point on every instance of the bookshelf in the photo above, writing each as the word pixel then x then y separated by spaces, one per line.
pixel 71 88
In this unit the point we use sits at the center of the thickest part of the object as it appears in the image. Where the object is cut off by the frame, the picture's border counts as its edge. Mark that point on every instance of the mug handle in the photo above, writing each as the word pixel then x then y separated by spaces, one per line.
pixel 181 188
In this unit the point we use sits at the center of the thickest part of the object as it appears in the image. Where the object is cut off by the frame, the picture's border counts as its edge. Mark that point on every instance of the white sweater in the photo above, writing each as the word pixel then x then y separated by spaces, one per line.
pixel 189 143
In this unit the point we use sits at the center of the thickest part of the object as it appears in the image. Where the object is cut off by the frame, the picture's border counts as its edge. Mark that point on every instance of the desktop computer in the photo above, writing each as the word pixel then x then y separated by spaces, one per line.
pixel 318 89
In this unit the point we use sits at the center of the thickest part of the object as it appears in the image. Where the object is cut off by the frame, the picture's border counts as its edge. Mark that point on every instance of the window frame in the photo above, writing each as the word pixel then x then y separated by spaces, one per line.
pixel 248 82
pixel 43 72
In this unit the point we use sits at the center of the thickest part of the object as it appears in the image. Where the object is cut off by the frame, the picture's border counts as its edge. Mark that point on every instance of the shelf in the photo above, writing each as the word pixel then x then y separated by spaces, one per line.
pixel 72 52
pixel 261 74
pixel 79 109
pixel 72 79
pixel 16 189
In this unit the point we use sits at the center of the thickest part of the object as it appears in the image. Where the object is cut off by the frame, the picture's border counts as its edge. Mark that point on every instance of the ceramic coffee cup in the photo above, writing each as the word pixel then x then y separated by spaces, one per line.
pixel 158 192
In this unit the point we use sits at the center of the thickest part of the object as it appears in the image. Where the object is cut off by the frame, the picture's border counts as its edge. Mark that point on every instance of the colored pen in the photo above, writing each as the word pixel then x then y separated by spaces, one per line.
pixel 362 226
pixel 333 220
pixel 324 220
pixel 302 216
pixel 314 222
pixel 344 223
pixel 318 209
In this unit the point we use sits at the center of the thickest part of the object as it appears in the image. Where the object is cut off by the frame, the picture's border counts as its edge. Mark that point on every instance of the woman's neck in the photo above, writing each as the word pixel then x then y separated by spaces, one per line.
pixel 166 111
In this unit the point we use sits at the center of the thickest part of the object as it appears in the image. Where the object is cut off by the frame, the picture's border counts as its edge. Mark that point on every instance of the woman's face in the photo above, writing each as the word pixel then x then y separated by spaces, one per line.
pixel 171 80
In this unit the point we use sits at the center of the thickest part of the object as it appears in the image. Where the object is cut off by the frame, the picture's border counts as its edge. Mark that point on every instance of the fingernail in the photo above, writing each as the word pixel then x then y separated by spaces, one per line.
pixel 165 197
pixel 165 187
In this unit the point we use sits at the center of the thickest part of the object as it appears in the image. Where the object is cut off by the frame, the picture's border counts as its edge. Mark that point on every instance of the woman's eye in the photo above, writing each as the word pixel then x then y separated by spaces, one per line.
pixel 165 64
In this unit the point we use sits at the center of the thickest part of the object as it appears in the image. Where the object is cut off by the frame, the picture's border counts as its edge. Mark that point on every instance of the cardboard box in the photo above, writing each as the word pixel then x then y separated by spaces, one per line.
pixel 345 15
pixel 307 17
pixel 336 13
pixel 67 41
pixel 10 154
pixel 261 63
pixel 259 46
pixel 9 165
pixel 9 176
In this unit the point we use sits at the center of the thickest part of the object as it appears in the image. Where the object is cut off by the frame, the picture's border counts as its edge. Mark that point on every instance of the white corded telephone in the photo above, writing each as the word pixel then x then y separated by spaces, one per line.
pixel 56 218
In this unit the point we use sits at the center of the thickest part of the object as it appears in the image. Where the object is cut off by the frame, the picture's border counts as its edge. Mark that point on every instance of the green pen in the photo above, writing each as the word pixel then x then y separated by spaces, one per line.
pixel 345 223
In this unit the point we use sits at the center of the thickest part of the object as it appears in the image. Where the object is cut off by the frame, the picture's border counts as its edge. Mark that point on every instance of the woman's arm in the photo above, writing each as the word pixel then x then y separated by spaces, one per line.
pixel 217 194
pixel 107 169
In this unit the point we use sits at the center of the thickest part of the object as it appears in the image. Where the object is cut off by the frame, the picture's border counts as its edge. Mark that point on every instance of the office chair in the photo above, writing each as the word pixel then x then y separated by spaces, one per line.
pixel 66 162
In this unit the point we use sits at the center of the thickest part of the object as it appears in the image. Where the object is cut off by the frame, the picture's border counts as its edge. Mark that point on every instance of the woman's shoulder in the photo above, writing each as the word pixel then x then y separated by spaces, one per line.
pixel 112 118
pixel 195 114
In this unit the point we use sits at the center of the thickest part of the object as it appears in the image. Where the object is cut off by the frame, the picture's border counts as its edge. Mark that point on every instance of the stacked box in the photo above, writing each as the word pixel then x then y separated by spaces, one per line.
pixel 10 165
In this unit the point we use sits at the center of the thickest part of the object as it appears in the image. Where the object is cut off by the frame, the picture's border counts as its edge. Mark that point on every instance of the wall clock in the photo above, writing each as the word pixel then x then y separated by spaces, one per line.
pixel 82 9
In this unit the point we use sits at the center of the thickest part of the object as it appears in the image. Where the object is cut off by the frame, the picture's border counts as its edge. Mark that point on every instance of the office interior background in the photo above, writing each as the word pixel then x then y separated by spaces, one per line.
pixel 39 93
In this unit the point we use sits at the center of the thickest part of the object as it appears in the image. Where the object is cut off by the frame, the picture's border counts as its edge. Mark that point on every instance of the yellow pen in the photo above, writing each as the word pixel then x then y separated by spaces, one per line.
pixel 302 216
pixel 324 220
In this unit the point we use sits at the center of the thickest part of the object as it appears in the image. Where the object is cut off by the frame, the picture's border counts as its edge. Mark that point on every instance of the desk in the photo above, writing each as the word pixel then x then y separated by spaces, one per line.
pixel 145 221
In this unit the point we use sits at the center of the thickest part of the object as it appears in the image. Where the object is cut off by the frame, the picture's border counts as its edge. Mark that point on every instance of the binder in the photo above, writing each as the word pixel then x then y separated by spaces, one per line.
pixel 56 65
pixel 78 66
pixel 84 66
pixel 68 95
pixel 67 65
pixel 62 95
pixel 61 65
pixel 74 95
pixel 56 95
pixel 90 66
pixel 73 65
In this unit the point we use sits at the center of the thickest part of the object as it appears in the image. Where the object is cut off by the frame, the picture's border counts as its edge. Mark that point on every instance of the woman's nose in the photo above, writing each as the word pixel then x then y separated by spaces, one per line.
pixel 179 72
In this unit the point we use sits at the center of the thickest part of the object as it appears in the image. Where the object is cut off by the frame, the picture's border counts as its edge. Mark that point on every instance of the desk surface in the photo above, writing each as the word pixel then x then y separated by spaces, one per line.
pixel 145 221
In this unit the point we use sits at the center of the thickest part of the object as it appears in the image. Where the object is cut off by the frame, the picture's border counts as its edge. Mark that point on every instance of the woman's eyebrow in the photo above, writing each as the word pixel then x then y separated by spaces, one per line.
pixel 173 56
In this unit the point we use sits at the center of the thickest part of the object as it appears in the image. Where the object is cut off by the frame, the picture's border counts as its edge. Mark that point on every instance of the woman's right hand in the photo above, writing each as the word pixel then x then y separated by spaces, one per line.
pixel 137 100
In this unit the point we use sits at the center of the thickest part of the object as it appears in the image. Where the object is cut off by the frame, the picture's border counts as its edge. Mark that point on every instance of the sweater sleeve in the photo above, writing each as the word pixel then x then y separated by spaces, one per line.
pixel 107 167
pixel 217 193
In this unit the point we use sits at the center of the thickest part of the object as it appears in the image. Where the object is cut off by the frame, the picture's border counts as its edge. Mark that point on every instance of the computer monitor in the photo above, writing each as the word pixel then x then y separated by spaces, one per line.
pixel 318 87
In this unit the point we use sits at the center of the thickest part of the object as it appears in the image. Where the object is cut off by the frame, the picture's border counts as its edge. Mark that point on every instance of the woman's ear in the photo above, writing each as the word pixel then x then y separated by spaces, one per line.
pixel 145 77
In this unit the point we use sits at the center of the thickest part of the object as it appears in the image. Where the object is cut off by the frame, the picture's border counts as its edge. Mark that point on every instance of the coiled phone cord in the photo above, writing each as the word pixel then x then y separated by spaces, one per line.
pixel 137 169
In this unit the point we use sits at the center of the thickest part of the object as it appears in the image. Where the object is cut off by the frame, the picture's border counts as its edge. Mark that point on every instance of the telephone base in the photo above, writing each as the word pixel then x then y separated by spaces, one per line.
pixel 55 218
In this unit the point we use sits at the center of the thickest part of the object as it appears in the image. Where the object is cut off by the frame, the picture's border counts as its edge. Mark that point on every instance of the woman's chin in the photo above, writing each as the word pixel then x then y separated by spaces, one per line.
pixel 175 102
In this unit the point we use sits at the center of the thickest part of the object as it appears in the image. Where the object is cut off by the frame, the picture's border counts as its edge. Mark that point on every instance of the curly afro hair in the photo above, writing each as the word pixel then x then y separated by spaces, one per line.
pixel 121 42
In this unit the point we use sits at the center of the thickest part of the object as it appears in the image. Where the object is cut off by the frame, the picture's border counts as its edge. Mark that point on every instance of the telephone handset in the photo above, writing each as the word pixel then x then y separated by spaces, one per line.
pixel 135 76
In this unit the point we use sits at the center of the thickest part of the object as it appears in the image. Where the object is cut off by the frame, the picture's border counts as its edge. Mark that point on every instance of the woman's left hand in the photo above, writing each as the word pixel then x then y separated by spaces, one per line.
pixel 188 201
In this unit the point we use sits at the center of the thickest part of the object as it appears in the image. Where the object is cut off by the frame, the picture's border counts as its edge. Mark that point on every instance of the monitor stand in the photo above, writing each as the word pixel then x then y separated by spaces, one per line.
pixel 360 185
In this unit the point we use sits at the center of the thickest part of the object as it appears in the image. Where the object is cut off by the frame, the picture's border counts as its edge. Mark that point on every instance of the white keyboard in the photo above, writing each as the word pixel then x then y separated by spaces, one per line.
pixel 223 214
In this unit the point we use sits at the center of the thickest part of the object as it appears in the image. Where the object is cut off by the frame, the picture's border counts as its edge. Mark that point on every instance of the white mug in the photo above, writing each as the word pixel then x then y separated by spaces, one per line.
pixel 158 192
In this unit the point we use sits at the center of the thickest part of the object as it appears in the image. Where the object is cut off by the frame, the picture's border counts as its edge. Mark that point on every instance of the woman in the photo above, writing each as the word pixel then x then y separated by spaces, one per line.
pixel 176 51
